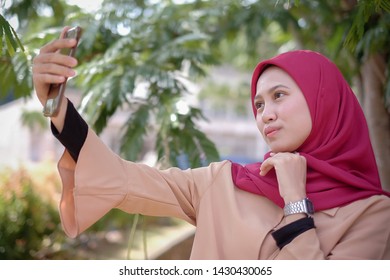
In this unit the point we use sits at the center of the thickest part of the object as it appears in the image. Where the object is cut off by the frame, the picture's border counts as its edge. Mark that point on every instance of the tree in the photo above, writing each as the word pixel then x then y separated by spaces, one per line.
pixel 12 60
pixel 162 44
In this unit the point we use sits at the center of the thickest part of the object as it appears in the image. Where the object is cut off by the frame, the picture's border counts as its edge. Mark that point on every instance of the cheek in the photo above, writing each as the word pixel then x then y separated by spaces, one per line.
pixel 308 126
pixel 259 123
pixel 303 123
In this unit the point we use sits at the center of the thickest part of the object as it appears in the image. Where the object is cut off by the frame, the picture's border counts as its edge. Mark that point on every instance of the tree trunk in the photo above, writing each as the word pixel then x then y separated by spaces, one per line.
pixel 373 76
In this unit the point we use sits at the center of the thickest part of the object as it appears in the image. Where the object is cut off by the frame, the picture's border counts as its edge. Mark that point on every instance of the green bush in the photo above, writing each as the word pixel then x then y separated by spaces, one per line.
pixel 30 226
pixel 29 222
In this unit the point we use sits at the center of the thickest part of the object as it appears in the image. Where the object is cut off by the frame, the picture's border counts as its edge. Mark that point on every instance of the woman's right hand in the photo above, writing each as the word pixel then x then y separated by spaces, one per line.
pixel 291 170
pixel 52 67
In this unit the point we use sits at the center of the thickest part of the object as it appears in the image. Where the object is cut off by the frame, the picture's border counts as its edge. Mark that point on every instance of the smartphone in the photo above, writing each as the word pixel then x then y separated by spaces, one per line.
pixel 56 91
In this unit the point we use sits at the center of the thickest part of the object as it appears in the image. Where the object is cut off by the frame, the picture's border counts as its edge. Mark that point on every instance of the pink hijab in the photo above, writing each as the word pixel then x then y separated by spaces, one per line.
pixel 341 166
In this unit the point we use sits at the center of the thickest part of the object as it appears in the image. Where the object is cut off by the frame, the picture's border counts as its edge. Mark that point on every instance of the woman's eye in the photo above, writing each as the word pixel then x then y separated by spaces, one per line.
pixel 259 105
pixel 278 95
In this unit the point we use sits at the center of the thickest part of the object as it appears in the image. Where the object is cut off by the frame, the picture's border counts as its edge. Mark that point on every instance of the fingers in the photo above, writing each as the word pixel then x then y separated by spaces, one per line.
pixel 58 44
pixel 267 165
pixel 64 30
pixel 57 58
pixel 54 64
pixel 52 67
pixel 280 159
pixel 291 170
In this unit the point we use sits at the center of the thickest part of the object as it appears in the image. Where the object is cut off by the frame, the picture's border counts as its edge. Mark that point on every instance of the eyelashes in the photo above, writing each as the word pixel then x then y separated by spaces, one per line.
pixel 275 97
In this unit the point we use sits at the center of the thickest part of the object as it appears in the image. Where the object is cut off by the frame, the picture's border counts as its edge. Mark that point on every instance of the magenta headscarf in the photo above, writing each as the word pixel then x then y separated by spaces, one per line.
pixel 341 166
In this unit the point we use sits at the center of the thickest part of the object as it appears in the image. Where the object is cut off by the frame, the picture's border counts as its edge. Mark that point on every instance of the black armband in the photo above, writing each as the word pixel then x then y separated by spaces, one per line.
pixel 286 234
pixel 74 133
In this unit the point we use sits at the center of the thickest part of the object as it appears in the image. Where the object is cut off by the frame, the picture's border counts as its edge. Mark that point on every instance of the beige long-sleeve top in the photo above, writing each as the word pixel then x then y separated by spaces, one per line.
pixel 230 223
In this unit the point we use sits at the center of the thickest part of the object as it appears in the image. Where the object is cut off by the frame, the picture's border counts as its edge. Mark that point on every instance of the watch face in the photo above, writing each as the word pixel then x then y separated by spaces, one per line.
pixel 302 206
pixel 309 205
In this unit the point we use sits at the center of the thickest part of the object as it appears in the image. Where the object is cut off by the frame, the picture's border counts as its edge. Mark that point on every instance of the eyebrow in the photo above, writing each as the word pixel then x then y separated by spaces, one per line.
pixel 270 90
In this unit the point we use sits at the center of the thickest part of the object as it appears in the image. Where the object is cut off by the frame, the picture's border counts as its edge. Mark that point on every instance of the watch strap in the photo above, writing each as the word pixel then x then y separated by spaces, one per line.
pixel 302 206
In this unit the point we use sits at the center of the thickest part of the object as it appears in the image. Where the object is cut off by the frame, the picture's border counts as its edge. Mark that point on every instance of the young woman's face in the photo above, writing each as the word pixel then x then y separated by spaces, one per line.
pixel 283 116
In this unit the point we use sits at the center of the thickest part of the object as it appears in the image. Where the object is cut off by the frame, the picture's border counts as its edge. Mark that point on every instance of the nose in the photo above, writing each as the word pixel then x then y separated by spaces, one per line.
pixel 268 114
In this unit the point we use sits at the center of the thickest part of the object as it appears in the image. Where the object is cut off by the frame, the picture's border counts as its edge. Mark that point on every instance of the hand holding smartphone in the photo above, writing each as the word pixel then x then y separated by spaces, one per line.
pixel 56 92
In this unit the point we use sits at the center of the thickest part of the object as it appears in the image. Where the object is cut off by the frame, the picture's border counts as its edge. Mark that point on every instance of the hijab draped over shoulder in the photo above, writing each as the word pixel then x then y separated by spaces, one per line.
pixel 341 166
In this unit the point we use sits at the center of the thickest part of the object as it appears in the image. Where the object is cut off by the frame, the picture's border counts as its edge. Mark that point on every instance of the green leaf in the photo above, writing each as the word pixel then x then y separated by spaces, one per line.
pixel 11 38
pixel 365 10
pixel 135 131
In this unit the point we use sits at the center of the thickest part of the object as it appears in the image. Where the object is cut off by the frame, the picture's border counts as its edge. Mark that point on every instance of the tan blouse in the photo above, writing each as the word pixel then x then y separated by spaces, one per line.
pixel 230 223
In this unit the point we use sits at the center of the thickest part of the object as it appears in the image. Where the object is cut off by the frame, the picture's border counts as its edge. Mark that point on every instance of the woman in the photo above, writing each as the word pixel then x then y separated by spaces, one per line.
pixel 320 156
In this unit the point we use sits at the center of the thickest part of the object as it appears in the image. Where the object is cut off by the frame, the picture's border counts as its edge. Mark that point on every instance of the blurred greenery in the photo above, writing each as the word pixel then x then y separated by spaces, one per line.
pixel 143 55
pixel 29 221
pixel 30 227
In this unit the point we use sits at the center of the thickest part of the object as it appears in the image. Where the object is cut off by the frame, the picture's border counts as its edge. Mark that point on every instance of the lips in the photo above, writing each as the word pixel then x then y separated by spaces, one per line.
pixel 269 131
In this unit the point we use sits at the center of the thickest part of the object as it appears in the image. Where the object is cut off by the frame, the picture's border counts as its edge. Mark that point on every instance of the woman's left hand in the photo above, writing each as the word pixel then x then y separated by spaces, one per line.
pixel 290 171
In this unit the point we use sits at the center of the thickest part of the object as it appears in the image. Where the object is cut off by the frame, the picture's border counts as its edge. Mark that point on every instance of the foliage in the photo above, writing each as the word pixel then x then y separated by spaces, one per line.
pixel 9 38
pixel 364 12
pixel 129 44
pixel 29 221
pixel 145 72
pixel 16 75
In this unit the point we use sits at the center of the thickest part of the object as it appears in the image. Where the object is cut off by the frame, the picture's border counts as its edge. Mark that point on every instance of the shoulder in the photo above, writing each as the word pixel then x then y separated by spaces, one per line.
pixel 373 203
pixel 375 207
pixel 213 169
pixel 201 177
pixel 376 202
